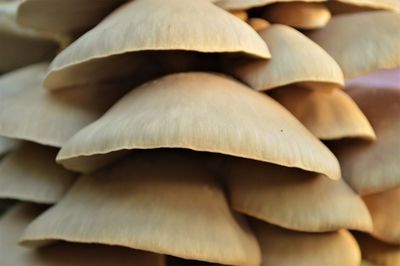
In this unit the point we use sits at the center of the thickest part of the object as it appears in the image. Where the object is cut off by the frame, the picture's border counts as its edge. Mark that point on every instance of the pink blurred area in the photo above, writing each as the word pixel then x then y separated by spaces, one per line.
pixel 389 79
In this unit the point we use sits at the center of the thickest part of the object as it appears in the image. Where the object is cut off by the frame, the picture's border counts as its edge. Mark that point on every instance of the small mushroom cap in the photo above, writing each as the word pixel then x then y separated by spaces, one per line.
pixel 301 15
pixel 327 115
pixel 294 199
pixel 296 59
pixel 281 247
pixel 363 42
pixel 247 4
pixel 241 14
pixel 372 167
pixel 29 112
pixel 17 219
pixel 20 46
pixel 202 112
pixel 384 209
pixel 387 78
pixel 6 145
pixel 72 16
pixel 30 173
pixel 136 27
pixel 155 201
pixel 377 251
pixel 258 24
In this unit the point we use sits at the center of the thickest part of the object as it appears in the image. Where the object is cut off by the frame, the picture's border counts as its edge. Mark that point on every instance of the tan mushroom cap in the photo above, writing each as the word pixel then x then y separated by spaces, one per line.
pixel 377 251
pixel 20 46
pixel 202 112
pixel 371 167
pixel 241 14
pixel 17 219
pixel 247 4
pixel 384 209
pixel 30 174
pixel 301 15
pixel 136 27
pixel 6 145
pixel 363 42
pixel 258 24
pixel 281 247
pixel 30 112
pixel 392 5
pixel 70 16
pixel 386 78
pixel 327 115
pixel 294 199
pixel 296 59
pixel 156 201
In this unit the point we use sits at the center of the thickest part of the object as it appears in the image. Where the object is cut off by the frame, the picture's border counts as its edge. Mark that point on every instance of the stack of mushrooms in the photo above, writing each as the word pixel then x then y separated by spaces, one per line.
pixel 202 132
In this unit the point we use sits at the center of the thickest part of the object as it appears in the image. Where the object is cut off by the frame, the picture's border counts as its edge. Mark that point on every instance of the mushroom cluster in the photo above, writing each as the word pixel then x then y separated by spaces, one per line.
pixel 201 132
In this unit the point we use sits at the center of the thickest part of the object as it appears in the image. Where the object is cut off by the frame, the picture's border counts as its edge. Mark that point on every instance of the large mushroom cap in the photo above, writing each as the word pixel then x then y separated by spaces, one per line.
pixel 281 247
pixel 371 167
pixel 202 112
pixel 293 198
pixel 301 15
pixel 327 115
pixel 30 174
pixel 136 26
pixel 384 209
pixel 72 16
pixel 392 5
pixel 20 46
pixel 296 59
pixel 30 112
pixel 362 43
pixel 160 202
pixel 17 219
pixel 377 251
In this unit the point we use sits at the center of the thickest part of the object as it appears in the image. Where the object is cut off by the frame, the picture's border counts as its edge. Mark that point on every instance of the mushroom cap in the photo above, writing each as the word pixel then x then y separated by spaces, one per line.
pixel 377 251
pixel 296 59
pixel 247 4
pixel 29 112
pixel 372 167
pixel 20 46
pixel 363 42
pixel 386 78
pixel 258 24
pixel 327 115
pixel 281 247
pixel 136 27
pixel 301 15
pixel 202 112
pixel 17 219
pixel 30 174
pixel 160 202
pixel 294 199
pixel 72 16
pixel 384 209
pixel 392 5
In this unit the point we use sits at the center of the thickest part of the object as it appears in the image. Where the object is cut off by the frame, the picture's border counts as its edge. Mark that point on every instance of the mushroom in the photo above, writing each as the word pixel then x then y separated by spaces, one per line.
pixel 202 112
pixel 18 218
pixel 301 15
pixel 111 49
pixel 384 209
pixel 162 202
pixel 363 42
pixel 247 4
pixel 6 145
pixel 281 247
pixel 258 24
pixel 20 46
pixel 372 167
pixel 328 116
pixel 377 251
pixel 296 59
pixel 30 112
pixel 347 6
pixel 30 174
pixel 294 199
